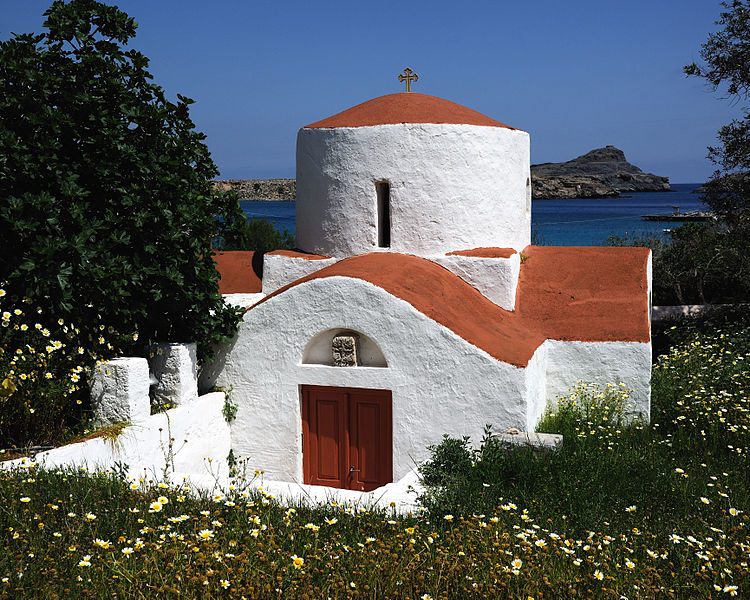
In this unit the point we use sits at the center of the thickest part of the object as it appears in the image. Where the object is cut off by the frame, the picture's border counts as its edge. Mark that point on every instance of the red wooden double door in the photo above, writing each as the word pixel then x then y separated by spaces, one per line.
pixel 347 437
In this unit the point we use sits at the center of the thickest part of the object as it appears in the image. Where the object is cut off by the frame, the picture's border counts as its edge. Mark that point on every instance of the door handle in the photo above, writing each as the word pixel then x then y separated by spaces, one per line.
pixel 353 470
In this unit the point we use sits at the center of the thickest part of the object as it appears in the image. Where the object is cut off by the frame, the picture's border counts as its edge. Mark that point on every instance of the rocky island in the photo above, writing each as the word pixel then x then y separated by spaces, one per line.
pixel 601 173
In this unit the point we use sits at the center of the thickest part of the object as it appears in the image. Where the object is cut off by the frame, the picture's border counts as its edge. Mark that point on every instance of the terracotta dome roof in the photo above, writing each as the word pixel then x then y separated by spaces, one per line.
pixel 406 108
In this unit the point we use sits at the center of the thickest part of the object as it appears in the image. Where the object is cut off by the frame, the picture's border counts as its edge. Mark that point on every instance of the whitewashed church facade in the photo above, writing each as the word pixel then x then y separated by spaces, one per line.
pixel 415 305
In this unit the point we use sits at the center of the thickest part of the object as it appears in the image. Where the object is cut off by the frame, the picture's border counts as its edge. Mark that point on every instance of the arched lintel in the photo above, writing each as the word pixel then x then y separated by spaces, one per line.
pixel 318 350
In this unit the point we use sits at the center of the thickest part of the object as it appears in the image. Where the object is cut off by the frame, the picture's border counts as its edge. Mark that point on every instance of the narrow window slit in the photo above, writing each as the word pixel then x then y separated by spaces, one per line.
pixel 383 189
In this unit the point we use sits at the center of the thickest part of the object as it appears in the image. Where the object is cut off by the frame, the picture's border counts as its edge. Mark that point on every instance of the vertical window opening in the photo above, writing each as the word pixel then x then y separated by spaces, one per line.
pixel 383 189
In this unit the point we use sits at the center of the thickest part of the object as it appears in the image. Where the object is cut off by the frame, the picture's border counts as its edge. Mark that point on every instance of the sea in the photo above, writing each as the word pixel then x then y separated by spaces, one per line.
pixel 570 222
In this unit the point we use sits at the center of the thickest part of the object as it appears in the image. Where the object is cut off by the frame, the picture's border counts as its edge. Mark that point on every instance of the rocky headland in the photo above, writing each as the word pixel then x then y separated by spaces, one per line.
pixel 601 173
pixel 260 190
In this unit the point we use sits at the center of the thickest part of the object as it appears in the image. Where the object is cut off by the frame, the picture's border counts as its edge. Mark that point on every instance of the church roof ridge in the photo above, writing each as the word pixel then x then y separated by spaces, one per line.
pixel 406 107
pixel 585 294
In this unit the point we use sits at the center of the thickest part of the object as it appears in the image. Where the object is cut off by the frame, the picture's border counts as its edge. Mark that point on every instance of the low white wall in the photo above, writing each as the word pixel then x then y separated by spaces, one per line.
pixel 495 278
pixel 280 270
pixel 144 447
pixel 440 383
pixel 451 187
pixel 601 363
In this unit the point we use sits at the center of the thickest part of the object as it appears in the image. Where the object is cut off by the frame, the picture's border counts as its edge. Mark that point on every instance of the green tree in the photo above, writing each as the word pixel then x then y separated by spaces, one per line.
pixel 257 233
pixel 105 197
pixel 726 66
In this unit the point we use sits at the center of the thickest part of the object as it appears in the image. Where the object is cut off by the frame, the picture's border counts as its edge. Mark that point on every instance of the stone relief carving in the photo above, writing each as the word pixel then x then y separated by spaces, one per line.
pixel 345 349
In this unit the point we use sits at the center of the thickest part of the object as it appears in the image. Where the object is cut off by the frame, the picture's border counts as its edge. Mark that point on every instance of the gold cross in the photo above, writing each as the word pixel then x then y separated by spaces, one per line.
pixel 408 76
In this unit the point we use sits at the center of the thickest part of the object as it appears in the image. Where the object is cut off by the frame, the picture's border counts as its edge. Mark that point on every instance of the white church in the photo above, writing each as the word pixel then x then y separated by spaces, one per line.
pixel 415 305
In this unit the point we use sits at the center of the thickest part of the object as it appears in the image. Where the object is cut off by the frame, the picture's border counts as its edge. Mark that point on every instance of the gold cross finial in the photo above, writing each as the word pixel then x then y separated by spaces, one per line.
pixel 408 76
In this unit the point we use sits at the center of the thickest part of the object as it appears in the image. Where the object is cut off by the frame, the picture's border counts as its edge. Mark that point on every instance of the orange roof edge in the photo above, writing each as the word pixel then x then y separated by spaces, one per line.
pixel 484 252
pixel 240 271
pixel 564 293
pixel 406 107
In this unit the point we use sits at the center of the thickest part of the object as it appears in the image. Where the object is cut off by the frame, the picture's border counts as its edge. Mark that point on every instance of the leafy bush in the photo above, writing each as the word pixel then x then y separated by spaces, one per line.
pixel 43 371
pixel 257 233
pixel 700 264
pixel 105 197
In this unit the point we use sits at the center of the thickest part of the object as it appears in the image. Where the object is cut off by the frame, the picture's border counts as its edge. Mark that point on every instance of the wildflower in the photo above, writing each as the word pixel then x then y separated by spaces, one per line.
pixel 205 534
pixel 675 539
pixel 154 507
pixel 25 499
pixel 409 530
pixel 297 561
pixel 516 564
pixel 332 521
pixel 162 500
pixel 734 512
pixel 224 583
pixel 127 551
pixel 102 543
pixel 426 597
pixel 540 543
pixel 134 486
pixel 2 292
pixel 598 575
pixel 630 564
pixel 630 509
pixel 730 589
pixel 90 516
pixel 448 517
pixel 86 562
pixel 705 500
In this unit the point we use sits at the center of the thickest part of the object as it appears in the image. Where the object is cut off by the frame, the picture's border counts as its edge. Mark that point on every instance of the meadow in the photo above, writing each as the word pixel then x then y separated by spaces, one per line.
pixel 623 510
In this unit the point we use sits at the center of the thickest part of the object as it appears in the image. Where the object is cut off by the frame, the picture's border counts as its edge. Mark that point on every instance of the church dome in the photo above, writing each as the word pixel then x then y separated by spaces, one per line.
pixel 411 173
pixel 406 108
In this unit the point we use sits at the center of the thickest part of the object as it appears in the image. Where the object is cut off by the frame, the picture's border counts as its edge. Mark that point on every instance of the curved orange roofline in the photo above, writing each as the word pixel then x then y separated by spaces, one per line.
pixel 564 293
pixel 406 108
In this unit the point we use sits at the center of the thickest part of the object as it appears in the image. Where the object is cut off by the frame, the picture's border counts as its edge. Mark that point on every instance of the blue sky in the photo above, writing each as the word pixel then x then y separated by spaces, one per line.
pixel 575 74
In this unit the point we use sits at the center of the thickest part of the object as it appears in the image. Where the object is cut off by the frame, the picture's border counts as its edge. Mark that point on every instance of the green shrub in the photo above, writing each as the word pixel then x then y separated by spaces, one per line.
pixel 44 371
pixel 105 197
pixel 257 233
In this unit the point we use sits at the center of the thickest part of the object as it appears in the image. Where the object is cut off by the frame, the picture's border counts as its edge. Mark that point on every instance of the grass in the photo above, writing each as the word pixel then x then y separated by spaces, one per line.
pixel 622 511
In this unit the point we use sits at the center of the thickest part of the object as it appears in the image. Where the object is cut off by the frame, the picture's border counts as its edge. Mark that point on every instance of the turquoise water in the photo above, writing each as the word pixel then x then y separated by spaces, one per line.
pixel 576 222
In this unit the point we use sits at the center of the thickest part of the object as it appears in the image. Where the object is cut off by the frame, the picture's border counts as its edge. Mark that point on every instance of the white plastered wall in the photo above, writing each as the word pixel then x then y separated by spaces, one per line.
pixel 601 363
pixel 495 278
pixel 451 187
pixel 280 270
pixel 440 383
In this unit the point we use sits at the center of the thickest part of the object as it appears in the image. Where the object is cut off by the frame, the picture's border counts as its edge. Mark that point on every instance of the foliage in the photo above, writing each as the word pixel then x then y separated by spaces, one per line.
pixel 726 62
pixel 700 264
pixel 106 199
pixel 257 233
pixel 42 371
